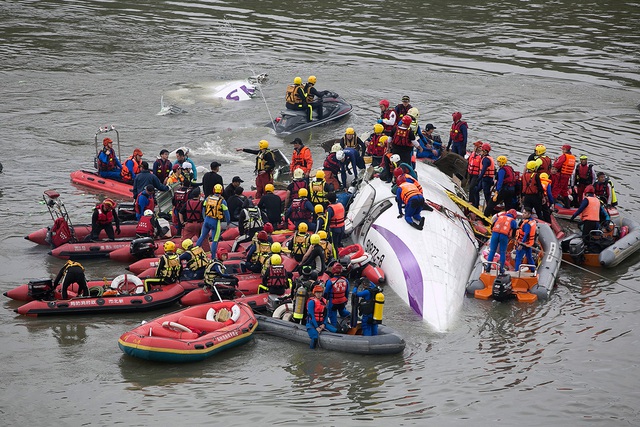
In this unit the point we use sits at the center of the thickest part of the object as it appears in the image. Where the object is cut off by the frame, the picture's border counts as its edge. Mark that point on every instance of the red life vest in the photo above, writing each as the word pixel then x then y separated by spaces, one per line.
pixel 502 224
pixel 569 164
pixel 473 168
pixel 592 211
pixel 277 276
pixel 584 174
pixel 180 197
pixel 408 191
pixel 386 115
pixel 375 147
pixel 320 308
pixel 339 291
pixel 104 217
pixel 332 163
pixel 531 238
pixel 337 219
pixel 401 137
pixel 455 133
pixel 545 166
pixel 163 169
pixel 509 179
pixel 530 183
pixel 601 189
pixel 111 161
pixel 298 211
pixel 126 173
pixel 297 185
pixel 144 227
pixel 151 205
pixel 193 211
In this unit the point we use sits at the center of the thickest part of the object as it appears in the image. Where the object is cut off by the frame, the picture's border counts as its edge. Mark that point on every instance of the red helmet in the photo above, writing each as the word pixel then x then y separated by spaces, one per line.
pixel 221 252
pixel 456 116
pixel 106 141
pixel 112 204
pixel 268 227
pixel 589 189
pixel 397 172
pixel 137 152
pixel 566 147
pixel 263 236
pixel 337 268
pixel 512 212
pixel 407 120
pixel 385 103
pixel 478 144
pixel 486 147
pixel 401 179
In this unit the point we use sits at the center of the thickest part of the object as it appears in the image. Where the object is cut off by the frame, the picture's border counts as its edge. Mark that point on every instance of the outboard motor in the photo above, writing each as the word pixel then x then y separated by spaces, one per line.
pixel 226 287
pixel 502 290
pixel 126 212
pixel 41 289
pixel 273 302
pixel 143 247
pixel 576 250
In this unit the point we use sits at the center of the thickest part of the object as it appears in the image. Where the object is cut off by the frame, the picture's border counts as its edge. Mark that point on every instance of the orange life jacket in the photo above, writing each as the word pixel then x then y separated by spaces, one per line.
pixel 592 211
pixel 408 191
pixel 530 239
pixel 473 168
pixel 337 219
pixel 569 164
pixel 502 224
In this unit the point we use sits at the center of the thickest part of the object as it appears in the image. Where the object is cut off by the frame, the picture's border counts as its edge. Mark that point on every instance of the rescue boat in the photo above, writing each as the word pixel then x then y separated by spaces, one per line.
pixel 427 268
pixel 602 249
pixel 523 285
pixel 191 334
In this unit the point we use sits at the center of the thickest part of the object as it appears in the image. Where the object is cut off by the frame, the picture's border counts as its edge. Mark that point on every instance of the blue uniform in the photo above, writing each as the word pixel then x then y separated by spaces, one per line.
pixel 312 323
pixel 114 173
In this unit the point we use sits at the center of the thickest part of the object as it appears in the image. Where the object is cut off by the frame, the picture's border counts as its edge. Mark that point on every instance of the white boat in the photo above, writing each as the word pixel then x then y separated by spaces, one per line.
pixel 429 268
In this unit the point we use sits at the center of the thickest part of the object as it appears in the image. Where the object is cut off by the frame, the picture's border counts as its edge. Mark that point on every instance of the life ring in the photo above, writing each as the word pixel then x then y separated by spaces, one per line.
pixel 176 326
pixel 360 261
pixel 235 313
pixel 282 311
pixel 128 283
pixel 354 251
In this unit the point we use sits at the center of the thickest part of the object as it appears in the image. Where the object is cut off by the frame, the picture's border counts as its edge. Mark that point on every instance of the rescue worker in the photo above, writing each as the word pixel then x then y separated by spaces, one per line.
pixel 169 267
pixel 350 160
pixel 301 209
pixel 265 164
pixel 487 174
pixel 319 188
pixel 257 253
pixel 70 273
pixel 188 173
pixel 192 218
pixel 547 195
pixel 388 118
pixel 543 161
pixel 583 176
pixel 175 177
pixel 271 205
pixel 314 96
pixel 473 172
pixel 276 248
pixel 503 227
pixel 182 156
pixel 230 189
pixel 351 140
pixel 146 178
pixel 332 166
pixel 275 279
pixel 532 190
pixel 148 226
pixel 299 243
pixel 314 256
pixel 458 134
pixel 505 187
pixel 179 200
pixel 335 217
pixel 526 240
pixel 108 164
pixel 404 140
pixel 336 292
pixel 604 190
pixel 329 251
pixel 411 198
pixel 235 204
pixel 367 298
pixel 320 219
pixel 211 178
pixel 299 181
pixel 162 166
pixel 196 260
pixel 403 108
pixel 301 157
pixel 145 201
pixel 296 98
pixel 317 320
pixel 591 212
pixel 103 218
pixel 214 211
pixel 216 268
pixel 376 144
pixel 131 167
pixel 250 221
pixel 565 164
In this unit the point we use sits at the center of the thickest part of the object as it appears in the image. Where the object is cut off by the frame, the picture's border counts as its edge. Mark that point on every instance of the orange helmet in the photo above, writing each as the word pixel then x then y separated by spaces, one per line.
pixel 107 141
pixel 137 152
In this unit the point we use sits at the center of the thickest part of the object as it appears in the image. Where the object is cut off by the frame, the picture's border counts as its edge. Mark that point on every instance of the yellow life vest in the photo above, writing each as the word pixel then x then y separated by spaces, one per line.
pixel 213 206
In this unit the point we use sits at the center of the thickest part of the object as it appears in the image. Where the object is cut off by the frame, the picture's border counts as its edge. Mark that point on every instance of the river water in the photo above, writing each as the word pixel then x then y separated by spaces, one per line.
pixel 521 72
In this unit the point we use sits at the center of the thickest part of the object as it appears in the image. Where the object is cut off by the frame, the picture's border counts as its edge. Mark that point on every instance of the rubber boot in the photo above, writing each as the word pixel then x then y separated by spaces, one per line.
pixel 416 226
pixel 428 207
pixel 421 223
pixel 313 343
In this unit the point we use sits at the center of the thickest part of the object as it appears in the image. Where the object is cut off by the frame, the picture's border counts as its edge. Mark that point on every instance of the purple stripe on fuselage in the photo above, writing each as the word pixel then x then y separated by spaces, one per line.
pixel 410 268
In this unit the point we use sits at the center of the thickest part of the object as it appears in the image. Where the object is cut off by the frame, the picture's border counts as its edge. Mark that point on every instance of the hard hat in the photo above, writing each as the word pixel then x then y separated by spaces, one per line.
pixel 583 157
pixel 263 144
pixel 486 147
pixel 340 155
pixel 263 236
pixel 502 160
pixel 221 251
pixel 187 165
pixel 512 212
pixel 589 189
pixel 187 243
pixel 478 144
pixel 109 202
pixel 320 174
pixel 544 175
pixel 297 81
pixel 397 172
pixel 322 234
pixel 148 212
pixel 269 188
pixel 303 192
pixel 217 188
pixel 566 147
pixel 107 141
pixel 276 259
pixel 532 165
pixel 298 173
pixel 318 208
pixel 318 288
pixel 268 227
pixel 395 158
pixel 336 147
pixel 336 268
pixel 137 152
pixel 413 112
pixel 169 246
pixel 378 128
pixel 540 149
pixel 384 103
pixel 312 80
pixel 350 131
pixel 401 179
pixel 456 116
pixel 407 120
pixel 314 239
pixel 384 138
pixel 276 247
pixel 303 227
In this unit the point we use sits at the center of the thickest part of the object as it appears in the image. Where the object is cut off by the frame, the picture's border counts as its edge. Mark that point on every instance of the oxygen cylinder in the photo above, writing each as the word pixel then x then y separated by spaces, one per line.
pixel 299 303
pixel 378 308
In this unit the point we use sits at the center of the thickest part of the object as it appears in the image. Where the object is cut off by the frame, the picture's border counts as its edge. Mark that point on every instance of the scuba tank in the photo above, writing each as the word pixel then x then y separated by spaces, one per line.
pixel 299 304
pixel 378 308
pixel 354 310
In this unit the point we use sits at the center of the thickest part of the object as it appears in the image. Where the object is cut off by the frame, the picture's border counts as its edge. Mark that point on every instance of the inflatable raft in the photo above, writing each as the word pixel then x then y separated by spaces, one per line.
pixel 192 334
pixel 523 285
pixel 388 341
pixel 600 250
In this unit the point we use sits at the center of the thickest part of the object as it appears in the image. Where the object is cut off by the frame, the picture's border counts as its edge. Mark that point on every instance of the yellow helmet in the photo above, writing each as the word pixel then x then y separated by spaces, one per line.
pixel 314 239
pixel 502 160
pixel 276 259
pixel 303 227
pixel 186 244
pixel 169 246
pixel 297 81
pixel 276 247
pixel 217 188
pixel 532 165
pixel 544 175
pixel 263 144
pixel 350 131
pixel 378 128
pixel 320 174
pixel 318 208
pixel 322 234
pixel 384 138
pixel 540 149
pixel 269 188
pixel 312 80
pixel 303 192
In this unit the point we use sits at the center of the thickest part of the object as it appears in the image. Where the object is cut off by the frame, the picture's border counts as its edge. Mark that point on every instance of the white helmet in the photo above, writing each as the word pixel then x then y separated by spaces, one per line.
pixel 187 165
pixel 148 212
pixel 413 112
pixel 395 158
pixel 340 155
pixel 336 147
